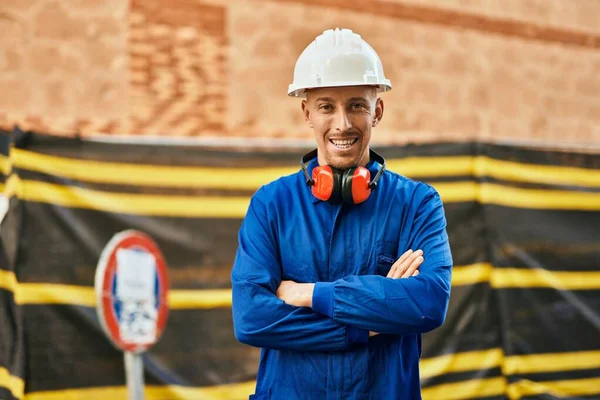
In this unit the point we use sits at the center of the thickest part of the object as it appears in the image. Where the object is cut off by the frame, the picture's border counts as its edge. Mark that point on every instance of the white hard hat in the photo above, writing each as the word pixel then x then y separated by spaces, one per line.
pixel 338 57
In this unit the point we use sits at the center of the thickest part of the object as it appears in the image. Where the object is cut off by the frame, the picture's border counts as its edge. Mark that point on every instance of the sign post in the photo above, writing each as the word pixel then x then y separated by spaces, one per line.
pixel 131 290
pixel 134 375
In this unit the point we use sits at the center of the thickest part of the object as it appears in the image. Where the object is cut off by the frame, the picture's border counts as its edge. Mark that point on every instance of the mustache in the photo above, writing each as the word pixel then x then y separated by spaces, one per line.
pixel 344 135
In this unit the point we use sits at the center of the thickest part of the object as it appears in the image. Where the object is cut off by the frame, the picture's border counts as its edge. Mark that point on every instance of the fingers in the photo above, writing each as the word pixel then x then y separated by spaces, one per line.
pixel 410 271
pixel 409 262
pixel 399 262
pixel 406 265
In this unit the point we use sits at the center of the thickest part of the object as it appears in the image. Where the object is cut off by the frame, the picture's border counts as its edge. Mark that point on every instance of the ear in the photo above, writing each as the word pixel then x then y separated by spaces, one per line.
pixel 306 113
pixel 378 111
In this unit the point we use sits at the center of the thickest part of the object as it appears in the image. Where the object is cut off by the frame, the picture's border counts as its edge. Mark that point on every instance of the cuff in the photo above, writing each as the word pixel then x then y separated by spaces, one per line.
pixel 356 337
pixel 322 301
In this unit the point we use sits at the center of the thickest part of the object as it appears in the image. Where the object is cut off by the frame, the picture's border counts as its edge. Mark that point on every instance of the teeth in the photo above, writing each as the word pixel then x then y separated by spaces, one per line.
pixel 342 142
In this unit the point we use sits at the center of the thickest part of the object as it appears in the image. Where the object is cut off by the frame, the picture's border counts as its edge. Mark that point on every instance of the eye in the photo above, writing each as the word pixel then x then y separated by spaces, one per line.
pixel 325 107
pixel 357 106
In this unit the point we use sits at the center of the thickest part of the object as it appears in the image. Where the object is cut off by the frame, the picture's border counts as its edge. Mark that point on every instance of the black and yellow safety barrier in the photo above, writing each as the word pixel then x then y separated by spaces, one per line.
pixel 522 225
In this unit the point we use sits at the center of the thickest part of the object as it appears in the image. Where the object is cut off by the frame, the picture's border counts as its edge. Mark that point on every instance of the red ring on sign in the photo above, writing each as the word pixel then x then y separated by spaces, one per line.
pixel 132 240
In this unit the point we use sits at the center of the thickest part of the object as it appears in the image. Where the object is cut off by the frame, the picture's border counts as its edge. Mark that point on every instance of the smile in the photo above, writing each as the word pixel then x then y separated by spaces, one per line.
pixel 343 144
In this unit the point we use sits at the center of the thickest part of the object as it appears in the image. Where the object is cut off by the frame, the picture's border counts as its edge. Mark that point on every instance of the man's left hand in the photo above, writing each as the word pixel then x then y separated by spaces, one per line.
pixel 296 294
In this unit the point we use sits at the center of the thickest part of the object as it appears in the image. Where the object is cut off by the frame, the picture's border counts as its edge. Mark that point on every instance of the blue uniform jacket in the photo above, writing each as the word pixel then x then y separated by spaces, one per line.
pixel 325 353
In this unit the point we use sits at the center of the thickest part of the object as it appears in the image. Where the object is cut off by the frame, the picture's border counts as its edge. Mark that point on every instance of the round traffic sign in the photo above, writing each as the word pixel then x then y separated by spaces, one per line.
pixel 131 290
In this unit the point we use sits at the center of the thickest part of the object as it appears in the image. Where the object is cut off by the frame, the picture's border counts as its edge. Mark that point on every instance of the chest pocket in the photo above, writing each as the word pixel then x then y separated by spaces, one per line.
pixel 387 254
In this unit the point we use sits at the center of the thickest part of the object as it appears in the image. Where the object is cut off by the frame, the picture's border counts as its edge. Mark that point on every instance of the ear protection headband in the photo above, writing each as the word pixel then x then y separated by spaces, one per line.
pixel 352 186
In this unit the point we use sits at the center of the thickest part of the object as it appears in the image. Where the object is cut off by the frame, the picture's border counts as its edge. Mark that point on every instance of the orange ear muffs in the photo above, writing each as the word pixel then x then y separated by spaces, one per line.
pixel 323 182
pixel 352 186
pixel 356 185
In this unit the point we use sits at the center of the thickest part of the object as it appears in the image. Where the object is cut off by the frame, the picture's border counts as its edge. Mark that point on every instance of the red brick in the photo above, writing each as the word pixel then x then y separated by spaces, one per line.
pixel 12 30
pixel 105 56
pixel 538 126
pixel 462 124
pixel 11 59
pixel 506 93
pixel 563 107
pixel 56 100
pixel 95 6
pixel 558 82
pixel 589 86
pixel 20 96
pixel 421 90
pixel 478 95
pixel 54 22
pixel 103 27
pixel 48 58
pixel 19 7
pixel 455 63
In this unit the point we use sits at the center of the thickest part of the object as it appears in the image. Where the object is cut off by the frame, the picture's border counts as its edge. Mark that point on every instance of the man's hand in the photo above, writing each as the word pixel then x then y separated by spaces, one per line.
pixel 296 294
pixel 300 294
pixel 407 265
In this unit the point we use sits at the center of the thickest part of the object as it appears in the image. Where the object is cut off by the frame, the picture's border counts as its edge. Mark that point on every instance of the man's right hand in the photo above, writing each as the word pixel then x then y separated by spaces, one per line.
pixel 406 266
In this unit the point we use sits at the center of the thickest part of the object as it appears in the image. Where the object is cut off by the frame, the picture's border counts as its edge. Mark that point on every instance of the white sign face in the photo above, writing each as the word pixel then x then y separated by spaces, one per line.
pixel 136 275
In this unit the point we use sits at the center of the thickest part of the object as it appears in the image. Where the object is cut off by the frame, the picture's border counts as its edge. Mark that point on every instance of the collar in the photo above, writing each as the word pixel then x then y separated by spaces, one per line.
pixel 373 166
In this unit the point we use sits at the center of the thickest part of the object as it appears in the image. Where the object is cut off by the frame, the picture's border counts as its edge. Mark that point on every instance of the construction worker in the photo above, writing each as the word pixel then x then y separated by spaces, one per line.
pixel 343 265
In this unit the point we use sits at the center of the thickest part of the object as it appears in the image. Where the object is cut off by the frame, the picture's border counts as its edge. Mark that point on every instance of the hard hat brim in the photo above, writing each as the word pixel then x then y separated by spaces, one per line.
pixel 300 91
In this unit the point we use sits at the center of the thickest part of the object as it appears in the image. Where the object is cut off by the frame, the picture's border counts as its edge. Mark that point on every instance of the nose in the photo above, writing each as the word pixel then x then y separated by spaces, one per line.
pixel 341 121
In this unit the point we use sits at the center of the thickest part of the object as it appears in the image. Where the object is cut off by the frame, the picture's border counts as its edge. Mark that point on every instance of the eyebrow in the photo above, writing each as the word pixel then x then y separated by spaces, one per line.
pixel 327 99
pixel 358 99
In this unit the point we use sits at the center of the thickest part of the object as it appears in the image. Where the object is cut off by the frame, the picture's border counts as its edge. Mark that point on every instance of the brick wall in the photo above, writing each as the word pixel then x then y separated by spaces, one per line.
pixel 461 69
pixel 64 65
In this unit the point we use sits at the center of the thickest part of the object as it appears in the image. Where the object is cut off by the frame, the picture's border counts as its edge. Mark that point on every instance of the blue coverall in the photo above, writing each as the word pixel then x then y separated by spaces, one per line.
pixel 325 353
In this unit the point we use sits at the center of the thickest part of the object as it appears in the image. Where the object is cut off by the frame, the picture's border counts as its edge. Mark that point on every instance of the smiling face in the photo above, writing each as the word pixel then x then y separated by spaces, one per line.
pixel 342 119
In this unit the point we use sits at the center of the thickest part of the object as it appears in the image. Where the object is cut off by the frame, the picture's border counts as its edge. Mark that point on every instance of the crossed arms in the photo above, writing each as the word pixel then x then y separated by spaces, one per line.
pixel 337 316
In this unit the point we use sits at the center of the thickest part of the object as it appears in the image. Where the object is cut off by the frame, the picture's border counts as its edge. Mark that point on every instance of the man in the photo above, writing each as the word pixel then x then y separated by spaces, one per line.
pixel 342 266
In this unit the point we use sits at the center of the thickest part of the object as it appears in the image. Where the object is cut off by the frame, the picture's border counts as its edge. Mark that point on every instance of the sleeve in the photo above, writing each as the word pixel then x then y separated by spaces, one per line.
pixel 261 319
pixel 398 306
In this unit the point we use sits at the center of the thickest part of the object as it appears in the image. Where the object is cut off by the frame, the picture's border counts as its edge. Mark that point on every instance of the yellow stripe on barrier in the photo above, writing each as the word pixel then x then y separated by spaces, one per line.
pixel 471 274
pixel 524 278
pixel 543 278
pixel 235 207
pixel 458 192
pixel 138 204
pixel 14 384
pixel 213 298
pixel 8 280
pixel 535 173
pixel 471 389
pixel 50 293
pixel 5 165
pixel 234 391
pixel 563 388
pixel 551 362
pixel 511 365
pixel 11 187
pixel 490 193
pixel 252 178
pixel 460 362
pixel 451 363
pixel 149 175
